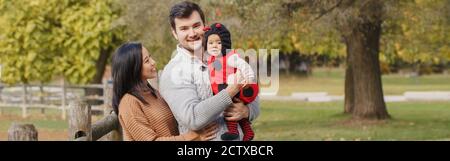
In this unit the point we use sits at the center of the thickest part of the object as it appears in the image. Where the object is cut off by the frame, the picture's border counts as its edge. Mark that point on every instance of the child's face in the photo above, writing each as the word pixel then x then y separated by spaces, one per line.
pixel 214 45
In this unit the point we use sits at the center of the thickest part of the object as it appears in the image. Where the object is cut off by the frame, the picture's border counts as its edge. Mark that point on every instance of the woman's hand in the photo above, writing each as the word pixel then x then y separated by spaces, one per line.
pixel 209 132
pixel 205 134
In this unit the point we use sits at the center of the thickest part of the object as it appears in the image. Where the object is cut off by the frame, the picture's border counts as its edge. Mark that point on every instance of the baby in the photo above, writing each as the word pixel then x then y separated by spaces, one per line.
pixel 223 68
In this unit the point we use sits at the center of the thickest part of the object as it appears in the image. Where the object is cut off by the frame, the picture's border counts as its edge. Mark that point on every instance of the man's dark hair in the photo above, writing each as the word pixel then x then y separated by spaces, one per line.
pixel 184 10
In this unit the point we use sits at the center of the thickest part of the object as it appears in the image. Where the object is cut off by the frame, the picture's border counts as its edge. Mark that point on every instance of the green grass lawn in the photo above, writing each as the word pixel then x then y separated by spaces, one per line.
pixel 332 81
pixel 50 125
pixel 325 121
pixel 297 121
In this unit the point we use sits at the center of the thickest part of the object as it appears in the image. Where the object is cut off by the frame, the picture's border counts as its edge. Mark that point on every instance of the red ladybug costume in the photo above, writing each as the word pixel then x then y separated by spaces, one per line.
pixel 221 68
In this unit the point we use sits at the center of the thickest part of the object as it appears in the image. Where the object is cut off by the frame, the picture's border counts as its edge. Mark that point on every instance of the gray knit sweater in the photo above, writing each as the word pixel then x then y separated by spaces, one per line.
pixel 186 89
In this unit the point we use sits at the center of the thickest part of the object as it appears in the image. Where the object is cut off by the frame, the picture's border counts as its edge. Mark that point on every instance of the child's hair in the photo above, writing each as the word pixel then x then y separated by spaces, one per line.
pixel 222 32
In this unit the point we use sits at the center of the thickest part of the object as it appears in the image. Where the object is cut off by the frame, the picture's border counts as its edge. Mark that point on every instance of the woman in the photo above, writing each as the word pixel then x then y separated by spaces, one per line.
pixel 142 112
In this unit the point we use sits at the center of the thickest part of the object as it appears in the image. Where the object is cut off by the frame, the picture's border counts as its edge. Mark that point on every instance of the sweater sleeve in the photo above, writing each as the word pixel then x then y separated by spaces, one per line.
pixel 253 109
pixel 187 106
pixel 138 126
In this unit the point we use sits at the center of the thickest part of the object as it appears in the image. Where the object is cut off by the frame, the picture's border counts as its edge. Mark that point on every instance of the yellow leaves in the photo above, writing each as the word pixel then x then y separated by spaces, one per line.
pixel 34 2
pixel 67 43
pixel 401 53
pixel 320 49
pixel 397 46
pixel 436 60
pixel 294 38
pixel 94 54
pixel 414 18
pixel 383 58
pixel 342 50
pixel 18 64
pixel 421 2
pixel 445 51
pixel 31 56
pixel 424 56
pixel 83 40
pixel 30 27
pixel 17 35
pixel 298 46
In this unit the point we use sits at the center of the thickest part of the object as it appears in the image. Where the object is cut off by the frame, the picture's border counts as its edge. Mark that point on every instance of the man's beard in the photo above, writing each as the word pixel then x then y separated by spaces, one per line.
pixel 197 45
pixel 195 48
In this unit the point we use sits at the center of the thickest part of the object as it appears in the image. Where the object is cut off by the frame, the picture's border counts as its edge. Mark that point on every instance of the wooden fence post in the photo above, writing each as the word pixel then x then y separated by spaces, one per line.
pixel 115 135
pixel 24 101
pixel 80 121
pixel 107 129
pixel 22 132
pixel 41 97
pixel 107 97
pixel 63 100
pixel 1 100
pixel 110 119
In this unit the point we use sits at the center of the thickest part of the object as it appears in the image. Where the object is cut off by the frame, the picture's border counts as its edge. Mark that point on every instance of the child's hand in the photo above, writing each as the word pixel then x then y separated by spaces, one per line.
pixel 238 78
pixel 247 72
pixel 235 83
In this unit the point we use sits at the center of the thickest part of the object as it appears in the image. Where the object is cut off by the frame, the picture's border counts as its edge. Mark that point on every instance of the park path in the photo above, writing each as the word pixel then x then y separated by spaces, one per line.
pixel 325 97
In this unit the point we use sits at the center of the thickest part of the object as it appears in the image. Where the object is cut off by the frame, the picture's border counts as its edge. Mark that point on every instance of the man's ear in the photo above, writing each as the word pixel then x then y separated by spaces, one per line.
pixel 174 34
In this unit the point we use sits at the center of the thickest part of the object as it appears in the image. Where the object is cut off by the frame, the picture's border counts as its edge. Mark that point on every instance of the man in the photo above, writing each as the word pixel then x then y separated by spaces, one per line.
pixel 185 81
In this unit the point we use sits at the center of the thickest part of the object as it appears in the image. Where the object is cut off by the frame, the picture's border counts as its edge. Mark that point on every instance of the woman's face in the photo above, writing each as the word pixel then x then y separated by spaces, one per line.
pixel 148 66
pixel 214 45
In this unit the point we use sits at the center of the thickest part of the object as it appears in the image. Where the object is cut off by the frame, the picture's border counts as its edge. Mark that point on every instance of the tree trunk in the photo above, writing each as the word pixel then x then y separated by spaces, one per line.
pixel 349 101
pixel 100 70
pixel 101 65
pixel 363 44
pixel 288 63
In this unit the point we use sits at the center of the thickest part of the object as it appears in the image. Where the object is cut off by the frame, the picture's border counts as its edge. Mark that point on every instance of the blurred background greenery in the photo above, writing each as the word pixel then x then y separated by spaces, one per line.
pixel 74 39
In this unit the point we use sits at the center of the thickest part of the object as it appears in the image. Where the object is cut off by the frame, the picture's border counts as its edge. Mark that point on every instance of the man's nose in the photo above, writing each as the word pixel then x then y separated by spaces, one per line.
pixel 191 33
